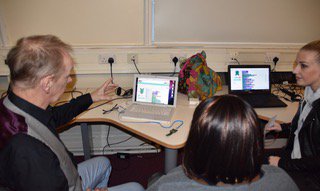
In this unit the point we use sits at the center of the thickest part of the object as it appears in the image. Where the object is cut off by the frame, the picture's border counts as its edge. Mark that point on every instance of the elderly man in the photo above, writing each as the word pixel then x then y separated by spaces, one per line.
pixel 32 156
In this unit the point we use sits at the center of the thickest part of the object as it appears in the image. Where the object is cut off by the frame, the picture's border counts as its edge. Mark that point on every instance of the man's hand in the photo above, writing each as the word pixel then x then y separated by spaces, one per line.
pixel 274 160
pixel 102 93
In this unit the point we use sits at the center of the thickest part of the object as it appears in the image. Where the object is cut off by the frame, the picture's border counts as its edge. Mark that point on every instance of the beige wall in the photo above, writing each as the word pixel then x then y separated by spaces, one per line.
pixel 120 27
pixel 231 21
pixel 79 22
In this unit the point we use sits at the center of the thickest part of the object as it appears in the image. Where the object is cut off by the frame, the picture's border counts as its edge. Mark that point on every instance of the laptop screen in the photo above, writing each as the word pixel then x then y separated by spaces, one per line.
pixel 155 90
pixel 249 79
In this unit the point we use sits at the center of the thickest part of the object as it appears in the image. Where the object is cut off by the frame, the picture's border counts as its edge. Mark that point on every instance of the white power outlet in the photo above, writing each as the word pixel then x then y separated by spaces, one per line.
pixel 131 57
pixel 179 56
pixel 233 55
pixel 270 56
pixel 103 58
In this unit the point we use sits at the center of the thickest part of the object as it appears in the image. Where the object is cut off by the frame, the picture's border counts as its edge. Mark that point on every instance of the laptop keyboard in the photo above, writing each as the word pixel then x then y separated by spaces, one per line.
pixel 150 110
pixel 146 112
pixel 263 100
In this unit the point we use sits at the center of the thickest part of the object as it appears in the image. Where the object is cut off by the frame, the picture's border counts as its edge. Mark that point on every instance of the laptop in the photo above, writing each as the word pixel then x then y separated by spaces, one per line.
pixel 253 84
pixel 154 98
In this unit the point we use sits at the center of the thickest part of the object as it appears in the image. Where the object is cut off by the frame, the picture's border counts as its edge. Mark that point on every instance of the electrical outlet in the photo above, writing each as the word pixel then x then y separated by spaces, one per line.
pixel 179 56
pixel 270 56
pixel 103 58
pixel 131 57
pixel 233 55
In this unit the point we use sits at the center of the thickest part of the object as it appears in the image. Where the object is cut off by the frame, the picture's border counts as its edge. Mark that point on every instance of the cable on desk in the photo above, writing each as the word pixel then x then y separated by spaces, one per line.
pixel 115 107
pixel 172 131
pixel 107 102
pixel 156 122
pixel 289 92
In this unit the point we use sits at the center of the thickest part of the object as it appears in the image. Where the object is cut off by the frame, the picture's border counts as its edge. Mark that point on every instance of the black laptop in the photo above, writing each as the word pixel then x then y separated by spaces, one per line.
pixel 253 84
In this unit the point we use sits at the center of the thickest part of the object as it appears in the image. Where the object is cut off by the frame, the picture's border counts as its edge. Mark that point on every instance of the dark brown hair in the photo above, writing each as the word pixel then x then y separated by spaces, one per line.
pixel 225 142
pixel 34 57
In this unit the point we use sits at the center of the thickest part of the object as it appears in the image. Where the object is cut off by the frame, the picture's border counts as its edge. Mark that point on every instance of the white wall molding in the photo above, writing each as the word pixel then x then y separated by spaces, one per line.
pixel 153 59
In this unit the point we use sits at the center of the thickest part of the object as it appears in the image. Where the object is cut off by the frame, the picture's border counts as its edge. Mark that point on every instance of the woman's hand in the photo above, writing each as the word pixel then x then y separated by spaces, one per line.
pixel 102 93
pixel 276 127
pixel 274 160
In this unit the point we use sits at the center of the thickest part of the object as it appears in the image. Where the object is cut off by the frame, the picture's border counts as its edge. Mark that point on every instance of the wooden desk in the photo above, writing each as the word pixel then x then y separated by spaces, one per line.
pixel 156 133
pixel 152 132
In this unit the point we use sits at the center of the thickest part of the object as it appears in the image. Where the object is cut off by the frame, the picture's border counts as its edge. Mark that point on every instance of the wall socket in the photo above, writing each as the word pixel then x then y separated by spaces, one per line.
pixel 131 57
pixel 233 55
pixel 270 56
pixel 179 56
pixel 103 58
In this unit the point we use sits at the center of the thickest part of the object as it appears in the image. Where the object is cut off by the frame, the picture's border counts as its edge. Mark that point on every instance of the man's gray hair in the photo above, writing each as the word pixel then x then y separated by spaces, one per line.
pixel 35 57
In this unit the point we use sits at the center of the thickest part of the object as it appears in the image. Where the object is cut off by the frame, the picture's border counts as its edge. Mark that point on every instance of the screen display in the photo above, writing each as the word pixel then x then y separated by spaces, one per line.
pixel 249 79
pixel 155 90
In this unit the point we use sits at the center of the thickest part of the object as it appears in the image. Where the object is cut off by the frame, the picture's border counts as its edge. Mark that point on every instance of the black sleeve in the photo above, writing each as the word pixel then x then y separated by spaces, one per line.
pixel 285 129
pixel 28 164
pixel 306 164
pixel 64 113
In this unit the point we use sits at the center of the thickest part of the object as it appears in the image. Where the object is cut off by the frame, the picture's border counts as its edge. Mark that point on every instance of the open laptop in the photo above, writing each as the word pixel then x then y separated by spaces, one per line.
pixel 253 84
pixel 154 98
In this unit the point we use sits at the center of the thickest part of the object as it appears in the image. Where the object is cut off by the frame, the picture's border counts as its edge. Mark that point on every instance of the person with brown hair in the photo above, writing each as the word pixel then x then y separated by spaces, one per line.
pixel 301 156
pixel 32 156
pixel 224 151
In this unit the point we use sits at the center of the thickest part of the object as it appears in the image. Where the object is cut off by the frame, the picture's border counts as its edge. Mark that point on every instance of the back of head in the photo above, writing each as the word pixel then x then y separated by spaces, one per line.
pixel 313 46
pixel 225 142
pixel 35 57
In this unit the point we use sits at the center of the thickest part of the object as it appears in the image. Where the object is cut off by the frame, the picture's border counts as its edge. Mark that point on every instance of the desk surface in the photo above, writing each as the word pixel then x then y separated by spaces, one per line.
pixel 184 112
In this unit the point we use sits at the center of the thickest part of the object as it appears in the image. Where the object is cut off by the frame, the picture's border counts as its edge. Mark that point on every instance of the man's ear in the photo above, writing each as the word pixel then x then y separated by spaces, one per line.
pixel 46 83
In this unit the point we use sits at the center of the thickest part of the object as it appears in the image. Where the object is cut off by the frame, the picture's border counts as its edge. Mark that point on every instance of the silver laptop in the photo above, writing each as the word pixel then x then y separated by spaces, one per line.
pixel 154 98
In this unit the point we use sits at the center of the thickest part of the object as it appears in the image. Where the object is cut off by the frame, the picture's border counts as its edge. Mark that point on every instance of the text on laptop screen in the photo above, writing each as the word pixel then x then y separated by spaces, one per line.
pixel 155 90
pixel 249 79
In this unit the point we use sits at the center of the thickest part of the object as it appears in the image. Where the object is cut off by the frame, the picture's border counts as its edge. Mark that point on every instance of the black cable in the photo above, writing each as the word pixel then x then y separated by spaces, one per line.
pixel 274 60
pixel 236 60
pixel 289 92
pixel 111 61
pixel 110 144
pixel 107 102
pixel 175 61
pixel 108 133
pixel 121 141
pixel 134 62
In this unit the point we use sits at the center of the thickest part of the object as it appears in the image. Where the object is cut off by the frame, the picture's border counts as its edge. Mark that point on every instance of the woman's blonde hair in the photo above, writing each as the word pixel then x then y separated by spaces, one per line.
pixel 315 47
